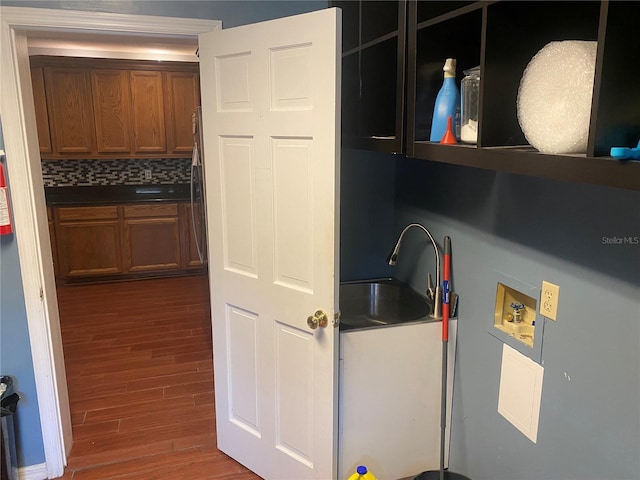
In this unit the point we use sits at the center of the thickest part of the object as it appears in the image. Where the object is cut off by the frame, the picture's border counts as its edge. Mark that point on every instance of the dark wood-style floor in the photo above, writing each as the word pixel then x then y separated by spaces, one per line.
pixel 139 368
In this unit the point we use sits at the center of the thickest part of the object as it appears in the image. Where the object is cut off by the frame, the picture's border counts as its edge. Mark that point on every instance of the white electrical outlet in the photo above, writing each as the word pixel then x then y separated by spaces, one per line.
pixel 147 174
pixel 549 300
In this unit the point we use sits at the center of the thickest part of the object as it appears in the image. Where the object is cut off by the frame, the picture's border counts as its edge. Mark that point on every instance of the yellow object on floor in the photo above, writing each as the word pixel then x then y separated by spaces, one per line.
pixel 362 474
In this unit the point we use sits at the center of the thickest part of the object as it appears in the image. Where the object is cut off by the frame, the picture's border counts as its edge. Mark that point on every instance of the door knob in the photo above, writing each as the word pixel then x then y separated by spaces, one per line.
pixel 318 319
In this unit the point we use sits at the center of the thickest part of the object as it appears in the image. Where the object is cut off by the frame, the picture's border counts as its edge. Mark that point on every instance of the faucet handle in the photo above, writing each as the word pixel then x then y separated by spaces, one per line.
pixel 517 306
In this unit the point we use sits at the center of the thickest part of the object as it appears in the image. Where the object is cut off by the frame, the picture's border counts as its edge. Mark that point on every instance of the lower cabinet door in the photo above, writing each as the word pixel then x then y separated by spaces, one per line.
pixel 152 244
pixel 89 248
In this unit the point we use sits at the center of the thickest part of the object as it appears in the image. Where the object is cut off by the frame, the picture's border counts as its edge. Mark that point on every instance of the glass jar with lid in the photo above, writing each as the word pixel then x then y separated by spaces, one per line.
pixel 470 104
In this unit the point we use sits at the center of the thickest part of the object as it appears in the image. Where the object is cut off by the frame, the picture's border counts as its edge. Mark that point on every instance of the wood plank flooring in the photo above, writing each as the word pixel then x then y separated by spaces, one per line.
pixel 139 365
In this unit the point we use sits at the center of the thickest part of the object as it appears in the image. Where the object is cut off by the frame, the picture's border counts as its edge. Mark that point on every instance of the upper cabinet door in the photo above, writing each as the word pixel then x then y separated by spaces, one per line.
pixel 149 134
pixel 112 107
pixel 42 114
pixel 69 100
pixel 181 99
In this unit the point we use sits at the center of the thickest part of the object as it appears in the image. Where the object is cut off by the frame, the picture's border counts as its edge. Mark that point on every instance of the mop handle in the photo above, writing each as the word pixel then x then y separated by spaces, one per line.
pixel 445 347
pixel 443 406
pixel 446 288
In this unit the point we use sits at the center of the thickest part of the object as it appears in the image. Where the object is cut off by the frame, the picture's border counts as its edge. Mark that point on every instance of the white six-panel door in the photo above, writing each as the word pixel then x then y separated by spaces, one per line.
pixel 271 96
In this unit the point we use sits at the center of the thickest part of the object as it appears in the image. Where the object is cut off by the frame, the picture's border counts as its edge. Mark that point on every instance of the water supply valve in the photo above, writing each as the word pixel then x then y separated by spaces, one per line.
pixel 517 311
pixel 515 314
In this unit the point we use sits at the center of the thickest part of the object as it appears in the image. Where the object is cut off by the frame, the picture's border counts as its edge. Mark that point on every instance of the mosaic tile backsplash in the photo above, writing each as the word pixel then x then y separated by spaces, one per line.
pixel 72 173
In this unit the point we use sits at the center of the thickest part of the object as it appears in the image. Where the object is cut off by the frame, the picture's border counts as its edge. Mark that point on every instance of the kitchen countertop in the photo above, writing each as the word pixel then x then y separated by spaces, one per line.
pixel 114 194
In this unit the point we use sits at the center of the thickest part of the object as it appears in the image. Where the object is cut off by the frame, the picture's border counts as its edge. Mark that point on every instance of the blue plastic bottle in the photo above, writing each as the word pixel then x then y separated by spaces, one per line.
pixel 447 104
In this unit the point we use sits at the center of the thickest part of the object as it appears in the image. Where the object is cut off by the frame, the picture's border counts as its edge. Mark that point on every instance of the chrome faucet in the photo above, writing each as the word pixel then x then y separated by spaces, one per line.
pixel 435 295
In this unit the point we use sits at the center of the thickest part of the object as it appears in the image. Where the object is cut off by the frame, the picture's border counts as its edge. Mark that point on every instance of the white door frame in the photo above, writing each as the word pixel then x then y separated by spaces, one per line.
pixel 27 194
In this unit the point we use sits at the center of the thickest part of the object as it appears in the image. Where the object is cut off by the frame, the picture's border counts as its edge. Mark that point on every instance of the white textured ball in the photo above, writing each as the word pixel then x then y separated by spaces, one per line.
pixel 554 98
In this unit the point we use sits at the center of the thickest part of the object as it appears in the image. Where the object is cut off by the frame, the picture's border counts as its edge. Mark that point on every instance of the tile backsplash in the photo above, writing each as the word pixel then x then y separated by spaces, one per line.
pixel 71 173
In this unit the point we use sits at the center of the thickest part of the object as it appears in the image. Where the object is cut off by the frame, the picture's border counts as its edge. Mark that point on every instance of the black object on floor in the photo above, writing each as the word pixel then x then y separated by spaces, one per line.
pixel 435 475
pixel 8 403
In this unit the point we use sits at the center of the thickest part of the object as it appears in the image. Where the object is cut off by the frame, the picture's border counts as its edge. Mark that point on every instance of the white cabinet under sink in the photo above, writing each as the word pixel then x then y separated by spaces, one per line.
pixel 390 384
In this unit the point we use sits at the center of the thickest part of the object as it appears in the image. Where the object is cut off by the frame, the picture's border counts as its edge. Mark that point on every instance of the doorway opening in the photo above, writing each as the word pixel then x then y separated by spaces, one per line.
pixel 28 196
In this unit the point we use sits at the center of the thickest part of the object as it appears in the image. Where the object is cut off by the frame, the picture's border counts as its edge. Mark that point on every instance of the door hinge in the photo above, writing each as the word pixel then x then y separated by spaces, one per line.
pixel 336 319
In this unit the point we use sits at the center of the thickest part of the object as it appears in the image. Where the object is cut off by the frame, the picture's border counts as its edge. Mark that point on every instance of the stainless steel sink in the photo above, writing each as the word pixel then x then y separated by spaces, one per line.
pixel 377 303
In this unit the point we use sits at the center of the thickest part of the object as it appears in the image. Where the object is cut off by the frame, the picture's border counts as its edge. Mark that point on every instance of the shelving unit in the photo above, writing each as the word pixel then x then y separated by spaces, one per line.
pixel 373 74
pixel 502 37
pixel 435 43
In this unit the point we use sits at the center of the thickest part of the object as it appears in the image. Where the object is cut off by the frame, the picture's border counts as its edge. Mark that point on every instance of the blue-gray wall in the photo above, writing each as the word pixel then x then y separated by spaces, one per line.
pixel 15 356
pixel 231 12
pixel 15 349
pixel 532 229
pixel 366 214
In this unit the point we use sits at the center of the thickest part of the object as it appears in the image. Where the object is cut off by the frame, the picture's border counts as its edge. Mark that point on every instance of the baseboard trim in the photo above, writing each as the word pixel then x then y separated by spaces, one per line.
pixel 33 472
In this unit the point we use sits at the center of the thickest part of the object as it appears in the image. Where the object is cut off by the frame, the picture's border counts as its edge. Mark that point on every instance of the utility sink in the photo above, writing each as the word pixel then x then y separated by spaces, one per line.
pixel 378 303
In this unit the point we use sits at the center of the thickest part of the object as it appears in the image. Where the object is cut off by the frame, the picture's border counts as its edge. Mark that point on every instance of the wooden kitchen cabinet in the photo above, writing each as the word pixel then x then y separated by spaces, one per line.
pixel 151 237
pixel 112 109
pixel 42 113
pixel 110 242
pixel 182 96
pixel 88 241
pixel 149 132
pixel 105 108
pixel 69 102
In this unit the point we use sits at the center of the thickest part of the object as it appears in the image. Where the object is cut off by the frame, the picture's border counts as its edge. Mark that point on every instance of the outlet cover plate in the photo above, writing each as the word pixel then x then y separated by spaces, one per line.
pixel 549 300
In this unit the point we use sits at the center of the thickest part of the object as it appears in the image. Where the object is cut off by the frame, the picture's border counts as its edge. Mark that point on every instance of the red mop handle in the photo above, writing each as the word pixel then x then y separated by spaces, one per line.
pixel 446 278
